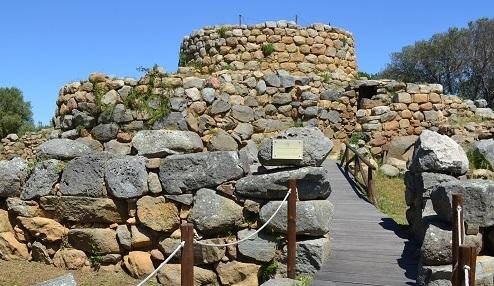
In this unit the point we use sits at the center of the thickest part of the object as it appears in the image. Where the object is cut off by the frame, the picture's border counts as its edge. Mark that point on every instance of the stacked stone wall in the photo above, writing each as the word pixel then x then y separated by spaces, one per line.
pixel 318 48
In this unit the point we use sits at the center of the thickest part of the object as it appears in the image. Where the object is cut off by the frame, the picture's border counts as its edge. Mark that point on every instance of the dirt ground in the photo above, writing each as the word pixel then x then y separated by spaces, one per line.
pixel 24 273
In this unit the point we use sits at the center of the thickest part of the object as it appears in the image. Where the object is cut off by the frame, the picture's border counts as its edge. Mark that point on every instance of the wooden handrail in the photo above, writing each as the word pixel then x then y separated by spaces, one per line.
pixel 362 158
pixel 367 179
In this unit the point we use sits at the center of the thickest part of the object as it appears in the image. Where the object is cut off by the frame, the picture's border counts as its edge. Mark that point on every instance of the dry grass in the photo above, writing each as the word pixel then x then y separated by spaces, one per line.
pixel 390 197
pixel 23 273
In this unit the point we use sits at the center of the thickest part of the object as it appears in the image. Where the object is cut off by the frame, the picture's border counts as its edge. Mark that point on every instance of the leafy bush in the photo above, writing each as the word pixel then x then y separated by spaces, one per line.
pixel 222 31
pixel 15 113
pixel 477 160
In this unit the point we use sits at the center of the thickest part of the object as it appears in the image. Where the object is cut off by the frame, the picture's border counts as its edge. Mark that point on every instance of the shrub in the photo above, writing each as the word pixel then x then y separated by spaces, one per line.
pixel 267 49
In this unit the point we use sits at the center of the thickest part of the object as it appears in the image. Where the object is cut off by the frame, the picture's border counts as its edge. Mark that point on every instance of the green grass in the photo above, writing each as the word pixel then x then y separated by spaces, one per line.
pixel 267 49
pixel 390 197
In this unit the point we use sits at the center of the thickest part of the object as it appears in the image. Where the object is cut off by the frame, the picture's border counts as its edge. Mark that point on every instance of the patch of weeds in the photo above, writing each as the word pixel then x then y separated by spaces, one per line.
pixel 355 138
pixel 326 77
pixel 95 259
pixel 267 49
pixel 298 123
pixel 344 42
pixel 222 31
pixel 227 67
pixel 477 160
pixel 268 270
pixel 182 59
pixel 60 167
pixel 304 280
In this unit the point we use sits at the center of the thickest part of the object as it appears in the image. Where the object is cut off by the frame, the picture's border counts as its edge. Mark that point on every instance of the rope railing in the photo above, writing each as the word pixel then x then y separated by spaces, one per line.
pixel 466 274
pixel 250 235
pixel 151 275
pixel 188 241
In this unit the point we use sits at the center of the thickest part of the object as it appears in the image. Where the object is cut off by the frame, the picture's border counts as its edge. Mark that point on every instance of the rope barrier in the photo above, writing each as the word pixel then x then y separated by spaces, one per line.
pixel 162 264
pixel 250 235
pixel 466 270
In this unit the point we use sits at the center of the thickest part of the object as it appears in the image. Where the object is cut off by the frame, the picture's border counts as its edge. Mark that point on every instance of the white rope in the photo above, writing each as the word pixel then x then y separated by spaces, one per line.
pixel 162 264
pixel 466 270
pixel 250 235
pixel 460 233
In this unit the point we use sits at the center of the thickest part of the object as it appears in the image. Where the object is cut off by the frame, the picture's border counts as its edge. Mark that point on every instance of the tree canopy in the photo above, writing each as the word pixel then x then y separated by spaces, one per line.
pixel 462 60
pixel 15 113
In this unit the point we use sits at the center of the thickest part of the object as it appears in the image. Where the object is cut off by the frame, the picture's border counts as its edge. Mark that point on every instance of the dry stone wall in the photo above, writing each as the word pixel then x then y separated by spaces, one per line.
pixel 77 206
pixel 269 46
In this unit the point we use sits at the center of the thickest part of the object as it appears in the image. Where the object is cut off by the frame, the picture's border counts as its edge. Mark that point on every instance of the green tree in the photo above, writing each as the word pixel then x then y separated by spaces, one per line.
pixel 15 113
pixel 462 60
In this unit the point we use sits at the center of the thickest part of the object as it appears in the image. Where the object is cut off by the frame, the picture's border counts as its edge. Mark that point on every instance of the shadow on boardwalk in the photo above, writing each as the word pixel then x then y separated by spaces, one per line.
pixel 368 248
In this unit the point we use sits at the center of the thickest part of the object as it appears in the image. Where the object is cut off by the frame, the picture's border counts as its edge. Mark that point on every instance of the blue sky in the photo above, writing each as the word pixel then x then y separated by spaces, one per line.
pixel 45 44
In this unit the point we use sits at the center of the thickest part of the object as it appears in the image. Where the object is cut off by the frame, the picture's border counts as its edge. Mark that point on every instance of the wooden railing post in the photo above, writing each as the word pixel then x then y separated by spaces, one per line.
pixel 187 259
pixel 370 186
pixel 344 159
pixel 457 239
pixel 292 229
pixel 468 257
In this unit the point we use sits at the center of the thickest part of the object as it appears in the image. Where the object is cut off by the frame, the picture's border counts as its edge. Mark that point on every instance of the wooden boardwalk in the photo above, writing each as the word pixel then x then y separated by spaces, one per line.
pixel 368 248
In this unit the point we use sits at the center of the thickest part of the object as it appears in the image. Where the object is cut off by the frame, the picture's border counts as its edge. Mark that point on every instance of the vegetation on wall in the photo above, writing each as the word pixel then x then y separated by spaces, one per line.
pixel 462 60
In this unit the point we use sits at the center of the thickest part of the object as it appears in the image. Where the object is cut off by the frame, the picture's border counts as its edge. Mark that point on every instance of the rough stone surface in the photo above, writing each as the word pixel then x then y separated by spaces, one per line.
pixel 105 132
pixel 43 228
pixel 260 247
pixel 238 273
pixel 45 175
pixel 402 147
pixel 4 221
pixel 62 149
pixel 70 259
pixel 478 205
pixel 138 263
pixel 280 282
pixel 172 121
pixel 438 154
pixel 84 176
pixel 436 248
pixel 64 280
pixel 157 214
pixel 126 177
pixel 85 209
pixel 313 217
pixel 312 254
pixel 12 173
pixel 209 254
pixel 189 172
pixel 40 253
pixel 222 141
pixel 11 249
pixel 213 213
pixel 94 240
pixel 312 183
pixel 390 171
pixel 22 208
pixel 160 143
pixel 316 147
pixel 170 275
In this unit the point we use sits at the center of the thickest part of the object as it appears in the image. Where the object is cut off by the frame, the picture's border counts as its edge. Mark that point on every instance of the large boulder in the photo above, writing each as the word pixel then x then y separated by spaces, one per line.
pixel 22 208
pixel 478 205
pixel 45 175
pixel 312 254
pixel 485 148
pixel 260 247
pixel 316 147
pixel 64 280
pixel 438 153
pixel 126 177
pixel 12 174
pixel 43 228
pixel 85 209
pixel 170 274
pixel 189 172
pixel 95 241
pixel 84 176
pixel 69 258
pixel 312 183
pixel 62 149
pixel 138 263
pixel 401 147
pixel 485 113
pixel 11 249
pixel 313 217
pixel 238 273
pixel 157 214
pixel 421 185
pixel 213 213
pixel 161 143
pixel 436 248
